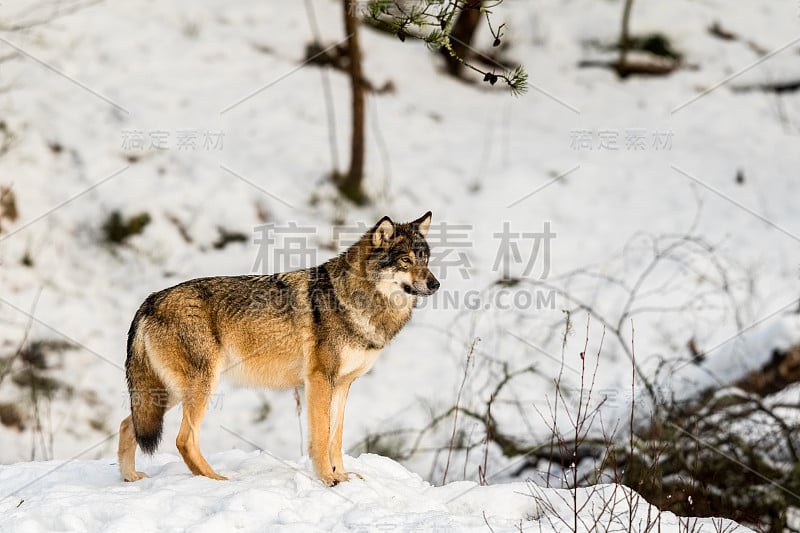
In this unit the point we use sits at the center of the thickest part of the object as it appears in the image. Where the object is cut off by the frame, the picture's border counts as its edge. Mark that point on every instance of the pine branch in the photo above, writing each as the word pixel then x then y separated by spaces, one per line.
pixel 431 21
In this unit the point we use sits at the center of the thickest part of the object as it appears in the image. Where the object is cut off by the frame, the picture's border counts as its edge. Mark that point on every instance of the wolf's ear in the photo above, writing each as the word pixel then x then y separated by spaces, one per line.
pixel 423 223
pixel 384 230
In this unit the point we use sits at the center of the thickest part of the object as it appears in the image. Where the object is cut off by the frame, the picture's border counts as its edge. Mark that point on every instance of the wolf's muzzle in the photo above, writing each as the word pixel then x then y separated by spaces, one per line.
pixel 431 285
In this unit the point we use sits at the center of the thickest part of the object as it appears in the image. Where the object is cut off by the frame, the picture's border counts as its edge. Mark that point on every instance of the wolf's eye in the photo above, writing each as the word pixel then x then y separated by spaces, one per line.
pixel 405 261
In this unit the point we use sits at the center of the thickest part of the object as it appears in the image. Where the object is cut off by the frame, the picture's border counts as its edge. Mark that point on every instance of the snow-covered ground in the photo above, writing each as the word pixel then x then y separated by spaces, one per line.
pixel 81 87
pixel 269 494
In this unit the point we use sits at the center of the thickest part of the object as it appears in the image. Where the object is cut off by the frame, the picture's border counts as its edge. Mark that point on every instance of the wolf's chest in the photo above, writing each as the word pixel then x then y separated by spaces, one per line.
pixel 356 361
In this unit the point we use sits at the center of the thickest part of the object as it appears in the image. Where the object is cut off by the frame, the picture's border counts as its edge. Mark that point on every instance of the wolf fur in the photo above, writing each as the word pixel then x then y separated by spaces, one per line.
pixel 320 327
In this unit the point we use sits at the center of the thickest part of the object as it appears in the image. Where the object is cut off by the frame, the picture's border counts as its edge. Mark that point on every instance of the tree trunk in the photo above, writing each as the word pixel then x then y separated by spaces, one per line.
pixel 461 35
pixel 350 184
pixel 624 39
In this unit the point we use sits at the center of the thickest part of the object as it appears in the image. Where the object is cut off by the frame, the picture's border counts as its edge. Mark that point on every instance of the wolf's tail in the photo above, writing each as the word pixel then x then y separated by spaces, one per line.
pixel 148 394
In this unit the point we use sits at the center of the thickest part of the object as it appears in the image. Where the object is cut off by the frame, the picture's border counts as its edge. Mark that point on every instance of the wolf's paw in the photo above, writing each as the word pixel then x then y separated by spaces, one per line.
pixel 334 478
pixel 338 476
pixel 134 476
pixel 214 475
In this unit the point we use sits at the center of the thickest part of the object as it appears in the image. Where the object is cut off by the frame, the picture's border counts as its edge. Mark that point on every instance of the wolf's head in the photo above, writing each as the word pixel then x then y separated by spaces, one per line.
pixel 398 257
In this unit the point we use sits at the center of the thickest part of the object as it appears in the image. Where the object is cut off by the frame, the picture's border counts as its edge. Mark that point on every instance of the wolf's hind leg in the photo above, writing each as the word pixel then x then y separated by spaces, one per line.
pixel 195 402
pixel 126 453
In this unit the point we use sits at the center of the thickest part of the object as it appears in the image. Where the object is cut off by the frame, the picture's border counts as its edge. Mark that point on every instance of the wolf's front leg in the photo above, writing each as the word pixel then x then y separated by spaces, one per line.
pixel 319 393
pixel 338 402
pixel 337 424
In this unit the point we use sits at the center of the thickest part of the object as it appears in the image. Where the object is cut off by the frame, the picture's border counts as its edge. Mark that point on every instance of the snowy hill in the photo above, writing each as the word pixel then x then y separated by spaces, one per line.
pixel 718 206
pixel 266 494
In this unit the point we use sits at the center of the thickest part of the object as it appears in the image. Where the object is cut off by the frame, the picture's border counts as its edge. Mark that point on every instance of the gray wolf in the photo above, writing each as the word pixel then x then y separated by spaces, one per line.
pixel 319 327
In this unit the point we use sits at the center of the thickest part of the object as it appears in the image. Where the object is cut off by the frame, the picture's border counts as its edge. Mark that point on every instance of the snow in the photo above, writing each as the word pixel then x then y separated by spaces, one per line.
pixel 269 494
pixel 464 151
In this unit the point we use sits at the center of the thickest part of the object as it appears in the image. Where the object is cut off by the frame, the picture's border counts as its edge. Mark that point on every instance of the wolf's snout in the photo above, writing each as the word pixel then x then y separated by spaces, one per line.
pixel 433 284
pixel 423 287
